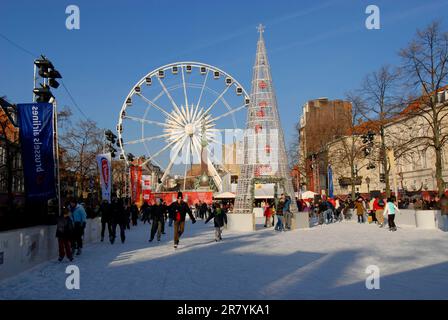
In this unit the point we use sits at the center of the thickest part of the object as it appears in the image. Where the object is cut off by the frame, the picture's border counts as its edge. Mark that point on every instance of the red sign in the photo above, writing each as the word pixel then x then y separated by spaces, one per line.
pixel 262 85
pixel 263 170
pixel 260 113
pixel 105 172
pixel 263 104
pixel 136 183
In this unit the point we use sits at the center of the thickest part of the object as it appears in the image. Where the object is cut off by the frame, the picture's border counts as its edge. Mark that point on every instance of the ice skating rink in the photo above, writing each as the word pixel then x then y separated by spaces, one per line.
pixel 327 262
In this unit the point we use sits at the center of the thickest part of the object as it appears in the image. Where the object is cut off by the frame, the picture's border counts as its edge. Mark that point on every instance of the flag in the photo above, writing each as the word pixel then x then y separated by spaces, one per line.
pixel 104 167
pixel 36 123
pixel 330 181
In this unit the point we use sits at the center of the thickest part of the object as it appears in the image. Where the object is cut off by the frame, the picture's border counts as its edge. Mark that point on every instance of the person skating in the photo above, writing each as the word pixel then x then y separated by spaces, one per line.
pixel 179 210
pixel 267 213
pixel 145 212
pixel 378 208
pixel 220 220
pixel 64 233
pixel 105 212
pixel 280 218
pixel 119 218
pixel 391 209
pixel 287 215
pixel 158 219
pixel 203 210
pixel 360 210
pixel 79 217
pixel 134 214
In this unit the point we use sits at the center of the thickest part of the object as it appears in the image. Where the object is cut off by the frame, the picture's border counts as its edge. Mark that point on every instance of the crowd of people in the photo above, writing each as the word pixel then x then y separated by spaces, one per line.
pixel 120 214
pixel 378 209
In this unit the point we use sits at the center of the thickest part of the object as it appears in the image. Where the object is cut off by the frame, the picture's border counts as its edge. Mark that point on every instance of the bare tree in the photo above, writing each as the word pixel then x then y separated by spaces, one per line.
pixel 381 102
pixel 348 148
pixel 81 143
pixel 425 66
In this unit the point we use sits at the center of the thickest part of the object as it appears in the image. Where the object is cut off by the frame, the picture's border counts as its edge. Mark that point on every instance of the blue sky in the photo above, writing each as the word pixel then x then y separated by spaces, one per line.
pixel 316 48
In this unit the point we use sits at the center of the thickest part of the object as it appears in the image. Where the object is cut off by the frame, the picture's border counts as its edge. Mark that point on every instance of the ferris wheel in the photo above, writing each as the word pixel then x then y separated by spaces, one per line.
pixel 178 113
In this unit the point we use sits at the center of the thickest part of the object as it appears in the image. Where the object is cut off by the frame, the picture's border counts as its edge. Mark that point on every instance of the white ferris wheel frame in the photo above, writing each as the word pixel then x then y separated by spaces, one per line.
pixel 154 74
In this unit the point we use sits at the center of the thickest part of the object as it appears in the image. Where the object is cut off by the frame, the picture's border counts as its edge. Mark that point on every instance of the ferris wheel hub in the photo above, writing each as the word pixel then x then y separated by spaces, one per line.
pixel 189 129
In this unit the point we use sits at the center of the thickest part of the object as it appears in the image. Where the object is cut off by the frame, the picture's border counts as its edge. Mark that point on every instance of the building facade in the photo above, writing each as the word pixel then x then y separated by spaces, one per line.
pixel 322 121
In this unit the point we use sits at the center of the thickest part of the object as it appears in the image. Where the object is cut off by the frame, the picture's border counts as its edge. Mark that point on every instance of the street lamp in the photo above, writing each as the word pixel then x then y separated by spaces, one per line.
pixel 368 184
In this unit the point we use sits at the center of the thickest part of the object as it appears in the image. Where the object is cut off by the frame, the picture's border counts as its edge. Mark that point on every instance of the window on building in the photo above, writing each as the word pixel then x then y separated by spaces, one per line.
pixel 2 155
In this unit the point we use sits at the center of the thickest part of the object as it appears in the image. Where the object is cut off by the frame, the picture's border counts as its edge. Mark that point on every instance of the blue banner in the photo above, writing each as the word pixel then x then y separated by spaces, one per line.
pixel 330 182
pixel 36 136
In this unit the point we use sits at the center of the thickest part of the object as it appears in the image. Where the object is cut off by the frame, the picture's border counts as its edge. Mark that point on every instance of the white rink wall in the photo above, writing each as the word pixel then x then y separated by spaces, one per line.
pixel 22 249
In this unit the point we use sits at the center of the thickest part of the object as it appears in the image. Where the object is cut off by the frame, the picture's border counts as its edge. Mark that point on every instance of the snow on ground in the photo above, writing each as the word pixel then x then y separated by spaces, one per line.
pixel 327 262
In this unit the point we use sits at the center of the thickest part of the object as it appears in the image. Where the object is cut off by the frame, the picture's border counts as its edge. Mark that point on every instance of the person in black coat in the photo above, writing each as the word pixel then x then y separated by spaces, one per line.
pixel 220 219
pixel 158 219
pixel 145 212
pixel 134 214
pixel 119 217
pixel 179 210
pixel 106 216
pixel 64 233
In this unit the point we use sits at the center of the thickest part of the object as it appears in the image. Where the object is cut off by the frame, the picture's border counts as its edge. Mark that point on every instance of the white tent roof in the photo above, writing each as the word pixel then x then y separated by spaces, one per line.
pixel 224 195
pixel 308 195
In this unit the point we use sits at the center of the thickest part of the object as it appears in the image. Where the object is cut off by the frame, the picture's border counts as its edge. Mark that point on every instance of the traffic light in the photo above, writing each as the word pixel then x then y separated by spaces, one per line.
pixel 382 178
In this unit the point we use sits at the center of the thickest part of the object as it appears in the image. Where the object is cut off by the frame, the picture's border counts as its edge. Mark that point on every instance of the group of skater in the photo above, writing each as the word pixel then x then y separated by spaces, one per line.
pixel 120 214
pixel 70 229
pixel 378 210
pixel 279 208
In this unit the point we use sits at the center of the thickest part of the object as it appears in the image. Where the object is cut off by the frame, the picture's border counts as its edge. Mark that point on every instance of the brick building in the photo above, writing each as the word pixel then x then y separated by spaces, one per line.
pixel 322 121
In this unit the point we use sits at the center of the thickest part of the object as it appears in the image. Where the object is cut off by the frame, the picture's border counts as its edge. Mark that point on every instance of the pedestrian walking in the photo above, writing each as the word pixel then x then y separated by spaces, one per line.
pixel 64 233
pixel 179 210
pixel 220 220
pixel 79 216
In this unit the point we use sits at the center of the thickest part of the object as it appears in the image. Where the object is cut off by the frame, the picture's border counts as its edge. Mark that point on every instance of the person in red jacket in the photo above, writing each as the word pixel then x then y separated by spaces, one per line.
pixel 179 210
pixel 378 208
pixel 267 213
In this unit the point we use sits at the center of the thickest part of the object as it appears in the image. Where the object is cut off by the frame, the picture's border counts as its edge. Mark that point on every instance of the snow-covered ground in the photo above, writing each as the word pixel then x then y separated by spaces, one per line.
pixel 326 262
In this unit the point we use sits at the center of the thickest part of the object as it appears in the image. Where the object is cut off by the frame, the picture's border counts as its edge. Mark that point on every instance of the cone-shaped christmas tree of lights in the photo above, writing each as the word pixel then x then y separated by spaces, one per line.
pixel 264 158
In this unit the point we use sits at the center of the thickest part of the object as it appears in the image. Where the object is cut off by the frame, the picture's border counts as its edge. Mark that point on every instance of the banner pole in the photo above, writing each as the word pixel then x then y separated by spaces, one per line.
pixel 55 117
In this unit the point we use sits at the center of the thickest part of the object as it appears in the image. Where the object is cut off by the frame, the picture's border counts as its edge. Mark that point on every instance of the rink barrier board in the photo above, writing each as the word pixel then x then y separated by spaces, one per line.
pixel 23 249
